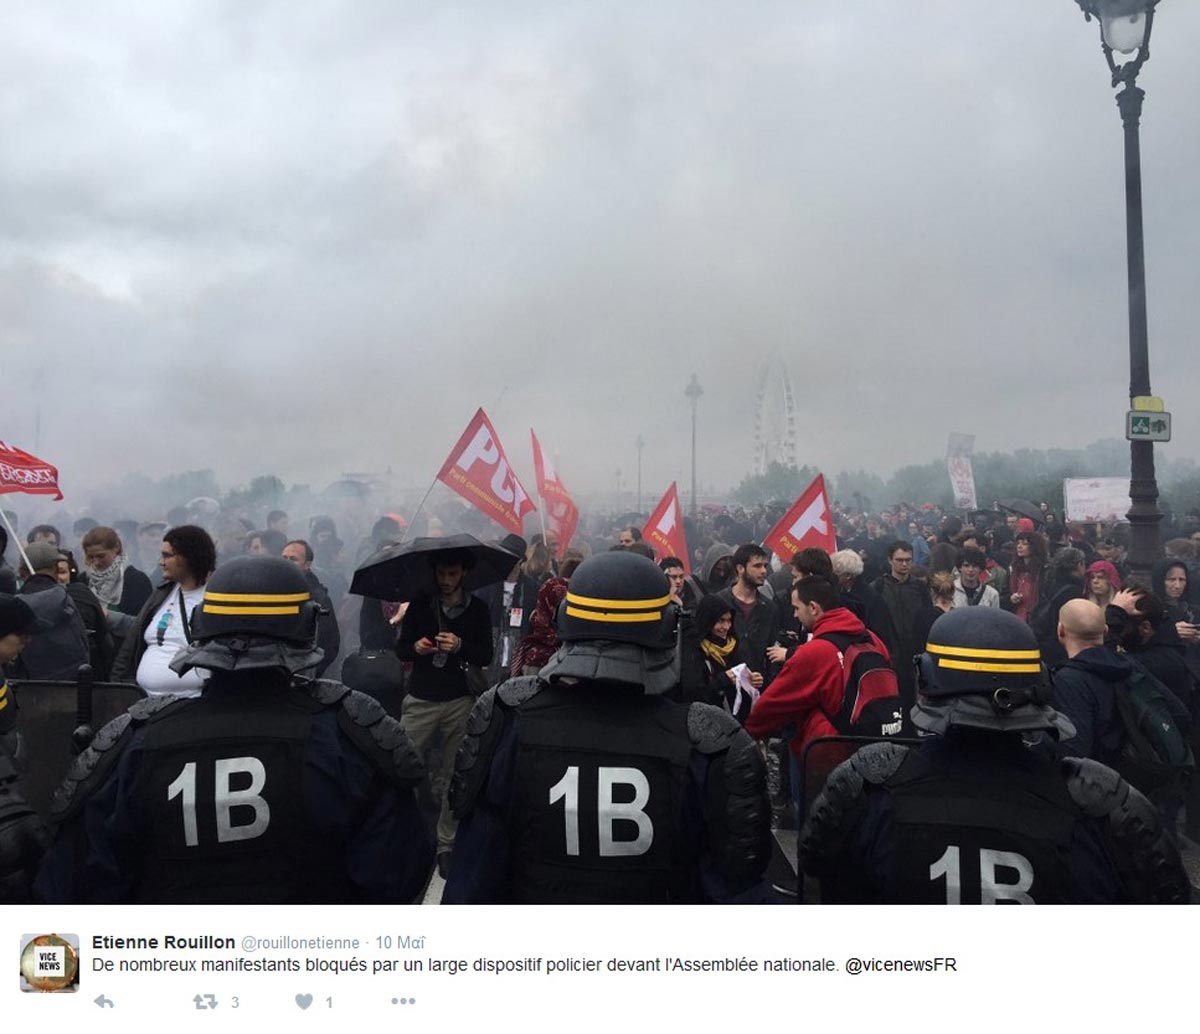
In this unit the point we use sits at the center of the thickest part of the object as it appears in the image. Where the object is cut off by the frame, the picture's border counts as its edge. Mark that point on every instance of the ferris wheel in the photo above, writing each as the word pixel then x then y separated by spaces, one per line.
pixel 774 417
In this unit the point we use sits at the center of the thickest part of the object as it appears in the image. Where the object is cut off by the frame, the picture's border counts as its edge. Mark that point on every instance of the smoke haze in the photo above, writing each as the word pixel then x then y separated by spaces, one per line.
pixel 313 238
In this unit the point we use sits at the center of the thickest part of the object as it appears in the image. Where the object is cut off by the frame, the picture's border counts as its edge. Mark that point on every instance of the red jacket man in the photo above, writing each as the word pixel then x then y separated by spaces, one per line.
pixel 811 683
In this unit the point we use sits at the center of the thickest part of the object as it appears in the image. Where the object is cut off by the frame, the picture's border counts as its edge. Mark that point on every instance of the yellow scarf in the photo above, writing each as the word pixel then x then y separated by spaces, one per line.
pixel 716 652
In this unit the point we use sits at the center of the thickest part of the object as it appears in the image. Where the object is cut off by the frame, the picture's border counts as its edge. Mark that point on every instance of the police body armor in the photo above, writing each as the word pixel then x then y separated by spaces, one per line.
pixel 599 811
pixel 222 790
pixel 993 834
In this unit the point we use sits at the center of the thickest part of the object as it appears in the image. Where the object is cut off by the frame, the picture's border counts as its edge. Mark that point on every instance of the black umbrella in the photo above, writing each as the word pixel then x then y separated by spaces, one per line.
pixel 402 572
pixel 1023 508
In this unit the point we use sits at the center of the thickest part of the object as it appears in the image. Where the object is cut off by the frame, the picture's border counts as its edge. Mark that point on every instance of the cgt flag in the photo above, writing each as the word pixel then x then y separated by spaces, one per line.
pixel 478 470
pixel 664 529
pixel 22 472
pixel 806 524
pixel 562 515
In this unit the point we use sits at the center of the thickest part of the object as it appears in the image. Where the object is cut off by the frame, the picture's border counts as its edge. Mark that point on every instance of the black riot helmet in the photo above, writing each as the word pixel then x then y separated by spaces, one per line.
pixel 983 667
pixel 621 598
pixel 257 612
pixel 618 625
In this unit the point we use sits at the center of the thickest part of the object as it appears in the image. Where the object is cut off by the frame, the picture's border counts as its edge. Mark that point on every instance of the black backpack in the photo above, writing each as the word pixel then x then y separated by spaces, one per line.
pixel 870 693
pixel 1154 754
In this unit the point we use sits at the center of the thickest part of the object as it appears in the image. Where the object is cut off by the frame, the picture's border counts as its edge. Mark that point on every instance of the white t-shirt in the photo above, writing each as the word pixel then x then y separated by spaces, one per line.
pixel 164 639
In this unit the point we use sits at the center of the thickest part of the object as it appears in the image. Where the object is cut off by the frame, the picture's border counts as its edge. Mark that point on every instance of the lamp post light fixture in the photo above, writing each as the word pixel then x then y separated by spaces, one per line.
pixel 1125 29
pixel 693 391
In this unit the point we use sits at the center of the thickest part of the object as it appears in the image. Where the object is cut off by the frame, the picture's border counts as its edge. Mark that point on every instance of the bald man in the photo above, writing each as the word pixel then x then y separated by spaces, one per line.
pixel 1084 686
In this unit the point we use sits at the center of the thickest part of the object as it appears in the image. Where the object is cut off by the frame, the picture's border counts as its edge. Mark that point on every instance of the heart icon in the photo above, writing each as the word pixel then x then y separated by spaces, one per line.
pixel 304 1001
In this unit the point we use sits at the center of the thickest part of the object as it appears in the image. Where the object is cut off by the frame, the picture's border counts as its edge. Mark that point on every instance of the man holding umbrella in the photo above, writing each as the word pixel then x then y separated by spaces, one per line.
pixel 444 631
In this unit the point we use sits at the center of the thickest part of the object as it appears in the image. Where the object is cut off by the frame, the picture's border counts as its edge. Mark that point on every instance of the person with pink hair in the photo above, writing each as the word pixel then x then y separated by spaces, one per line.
pixel 1102 583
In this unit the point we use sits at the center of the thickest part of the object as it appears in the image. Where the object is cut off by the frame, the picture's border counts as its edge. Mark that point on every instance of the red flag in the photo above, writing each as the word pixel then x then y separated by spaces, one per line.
pixel 562 518
pixel 808 523
pixel 478 470
pixel 22 472
pixel 664 529
pixel 562 515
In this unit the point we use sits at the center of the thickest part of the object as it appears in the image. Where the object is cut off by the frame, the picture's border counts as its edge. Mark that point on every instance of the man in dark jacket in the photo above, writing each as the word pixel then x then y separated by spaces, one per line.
pixel 1066 584
pixel 441 634
pixel 58 653
pixel 904 596
pixel 861 599
pixel 717 569
pixel 1138 622
pixel 510 608
pixel 685 590
pixel 1085 686
pixel 755 618
pixel 329 637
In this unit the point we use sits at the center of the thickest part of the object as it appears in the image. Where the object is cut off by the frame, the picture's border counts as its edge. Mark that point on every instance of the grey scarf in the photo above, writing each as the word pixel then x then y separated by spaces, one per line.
pixel 108 584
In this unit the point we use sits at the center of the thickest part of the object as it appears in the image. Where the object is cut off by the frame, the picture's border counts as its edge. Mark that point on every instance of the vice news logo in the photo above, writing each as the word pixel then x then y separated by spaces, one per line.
pixel 49 963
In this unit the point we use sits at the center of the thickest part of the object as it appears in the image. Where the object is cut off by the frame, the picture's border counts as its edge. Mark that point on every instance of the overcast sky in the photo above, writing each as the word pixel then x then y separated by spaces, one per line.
pixel 313 237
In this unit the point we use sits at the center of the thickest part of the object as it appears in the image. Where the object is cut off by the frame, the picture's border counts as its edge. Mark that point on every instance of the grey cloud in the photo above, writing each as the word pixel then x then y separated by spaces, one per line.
pixel 315 238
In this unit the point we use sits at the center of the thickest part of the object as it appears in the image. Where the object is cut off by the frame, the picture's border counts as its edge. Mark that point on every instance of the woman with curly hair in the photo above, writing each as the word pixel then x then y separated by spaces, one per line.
pixel 1027 574
pixel 163 626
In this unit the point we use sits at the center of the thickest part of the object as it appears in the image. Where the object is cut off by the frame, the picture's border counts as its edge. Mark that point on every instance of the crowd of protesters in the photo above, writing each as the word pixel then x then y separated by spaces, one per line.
pixel 756 629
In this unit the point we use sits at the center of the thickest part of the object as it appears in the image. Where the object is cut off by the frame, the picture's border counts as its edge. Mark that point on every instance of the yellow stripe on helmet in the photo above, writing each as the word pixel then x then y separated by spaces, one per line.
pixel 604 616
pixel 250 597
pixel 1033 669
pixel 266 611
pixel 589 601
pixel 1000 655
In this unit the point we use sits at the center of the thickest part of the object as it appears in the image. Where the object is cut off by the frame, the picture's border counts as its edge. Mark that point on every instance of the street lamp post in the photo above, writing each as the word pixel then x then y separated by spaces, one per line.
pixel 693 391
pixel 640 444
pixel 1125 27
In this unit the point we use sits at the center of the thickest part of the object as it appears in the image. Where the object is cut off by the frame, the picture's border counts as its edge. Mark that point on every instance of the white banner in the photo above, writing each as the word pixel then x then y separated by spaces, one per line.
pixel 959 449
pixel 1105 500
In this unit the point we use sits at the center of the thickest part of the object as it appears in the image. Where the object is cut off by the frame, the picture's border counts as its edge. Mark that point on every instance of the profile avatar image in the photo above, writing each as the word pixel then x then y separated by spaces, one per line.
pixel 49 963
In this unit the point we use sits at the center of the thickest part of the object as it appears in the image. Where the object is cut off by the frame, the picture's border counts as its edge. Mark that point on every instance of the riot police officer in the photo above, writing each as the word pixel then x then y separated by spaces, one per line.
pixel 974 815
pixel 265 788
pixel 22 837
pixel 586 784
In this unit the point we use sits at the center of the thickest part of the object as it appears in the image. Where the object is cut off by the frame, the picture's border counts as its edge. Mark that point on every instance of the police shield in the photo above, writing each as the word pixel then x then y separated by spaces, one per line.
pixel 50 713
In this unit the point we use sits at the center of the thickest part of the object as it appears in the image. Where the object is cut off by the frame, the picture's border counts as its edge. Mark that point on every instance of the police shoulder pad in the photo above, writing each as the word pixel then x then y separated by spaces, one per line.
pixel 878 762
pixel 378 735
pixel 1095 788
pixel 838 809
pixel 474 758
pixel 1145 856
pixel 327 692
pixel 515 692
pixel 711 729
pixel 91 768
pixel 145 710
